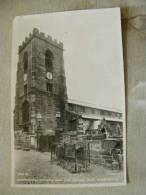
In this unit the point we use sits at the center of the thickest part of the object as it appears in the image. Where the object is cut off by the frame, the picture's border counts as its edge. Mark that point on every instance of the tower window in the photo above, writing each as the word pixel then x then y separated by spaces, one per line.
pixel 49 87
pixel 33 63
pixel 25 89
pixel 25 112
pixel 49 61
pixel 34 75
pixel 25 62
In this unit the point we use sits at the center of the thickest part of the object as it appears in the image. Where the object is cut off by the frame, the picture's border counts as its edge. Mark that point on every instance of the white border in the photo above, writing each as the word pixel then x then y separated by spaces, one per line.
pixel 69 185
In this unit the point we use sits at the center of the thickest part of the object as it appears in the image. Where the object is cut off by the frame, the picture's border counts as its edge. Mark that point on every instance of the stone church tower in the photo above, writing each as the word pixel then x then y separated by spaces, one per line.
pixel 41 95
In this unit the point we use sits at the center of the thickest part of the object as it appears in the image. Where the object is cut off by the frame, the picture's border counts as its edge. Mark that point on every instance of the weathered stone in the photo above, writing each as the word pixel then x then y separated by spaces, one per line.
pixel 46 103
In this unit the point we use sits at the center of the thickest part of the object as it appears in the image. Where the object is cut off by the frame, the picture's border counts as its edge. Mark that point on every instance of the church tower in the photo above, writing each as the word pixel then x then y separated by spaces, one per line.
pixel 41 94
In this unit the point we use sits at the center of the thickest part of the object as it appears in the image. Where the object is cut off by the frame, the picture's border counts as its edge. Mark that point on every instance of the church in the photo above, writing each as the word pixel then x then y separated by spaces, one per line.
pixel 43 111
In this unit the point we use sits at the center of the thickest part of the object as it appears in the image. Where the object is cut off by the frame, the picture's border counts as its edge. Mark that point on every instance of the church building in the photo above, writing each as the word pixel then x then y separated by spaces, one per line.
pixel 42 109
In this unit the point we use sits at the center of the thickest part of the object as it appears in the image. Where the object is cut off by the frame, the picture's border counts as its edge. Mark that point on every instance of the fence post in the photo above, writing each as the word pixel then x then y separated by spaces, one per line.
pixel 75 158
pixel 89 152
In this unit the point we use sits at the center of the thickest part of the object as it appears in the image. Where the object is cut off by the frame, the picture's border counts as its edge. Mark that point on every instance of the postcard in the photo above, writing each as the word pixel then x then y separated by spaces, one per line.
pixel 68 100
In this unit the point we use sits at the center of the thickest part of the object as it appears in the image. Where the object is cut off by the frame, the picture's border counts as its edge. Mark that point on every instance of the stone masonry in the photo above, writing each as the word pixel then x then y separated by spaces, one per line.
pixel 32 95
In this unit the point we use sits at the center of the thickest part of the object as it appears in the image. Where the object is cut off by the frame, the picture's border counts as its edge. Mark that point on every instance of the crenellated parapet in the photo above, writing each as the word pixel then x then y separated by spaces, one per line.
pixel 40 35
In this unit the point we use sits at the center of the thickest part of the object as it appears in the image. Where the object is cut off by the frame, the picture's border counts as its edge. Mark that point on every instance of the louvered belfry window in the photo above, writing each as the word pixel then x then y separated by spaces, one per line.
pixel 25 62
pixel 49 61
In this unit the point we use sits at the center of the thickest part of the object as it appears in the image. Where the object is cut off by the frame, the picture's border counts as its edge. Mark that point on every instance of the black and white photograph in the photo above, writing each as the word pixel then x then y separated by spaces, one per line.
pixel 68 99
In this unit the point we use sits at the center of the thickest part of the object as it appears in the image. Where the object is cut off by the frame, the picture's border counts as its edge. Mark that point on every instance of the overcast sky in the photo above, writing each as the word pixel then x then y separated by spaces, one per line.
pixel 92 52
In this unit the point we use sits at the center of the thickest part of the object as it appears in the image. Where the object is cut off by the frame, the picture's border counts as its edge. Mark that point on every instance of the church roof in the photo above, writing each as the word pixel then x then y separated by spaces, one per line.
pixel 87 104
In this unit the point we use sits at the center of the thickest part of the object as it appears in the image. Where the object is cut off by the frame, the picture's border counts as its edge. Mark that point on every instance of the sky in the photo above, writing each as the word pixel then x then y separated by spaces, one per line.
pixel 93 56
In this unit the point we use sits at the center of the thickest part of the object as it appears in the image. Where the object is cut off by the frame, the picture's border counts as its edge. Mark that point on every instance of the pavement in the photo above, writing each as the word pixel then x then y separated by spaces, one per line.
pixel 37 168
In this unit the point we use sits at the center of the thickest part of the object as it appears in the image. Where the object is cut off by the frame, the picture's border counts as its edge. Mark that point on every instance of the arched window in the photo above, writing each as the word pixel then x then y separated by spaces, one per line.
pixel 25 111
pixel 49 61
pixel 25 62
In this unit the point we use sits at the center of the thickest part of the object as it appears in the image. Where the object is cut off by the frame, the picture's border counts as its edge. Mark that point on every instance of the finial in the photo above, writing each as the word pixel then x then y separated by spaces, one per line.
pixel 35 31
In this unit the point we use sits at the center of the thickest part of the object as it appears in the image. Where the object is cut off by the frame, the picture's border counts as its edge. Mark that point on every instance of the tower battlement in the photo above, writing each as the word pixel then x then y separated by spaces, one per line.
pixel 40 35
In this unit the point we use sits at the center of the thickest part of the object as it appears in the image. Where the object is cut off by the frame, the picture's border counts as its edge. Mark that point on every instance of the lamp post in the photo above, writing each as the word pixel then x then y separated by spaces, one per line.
pixel 57 133
pixel 58 115
pixel 39 118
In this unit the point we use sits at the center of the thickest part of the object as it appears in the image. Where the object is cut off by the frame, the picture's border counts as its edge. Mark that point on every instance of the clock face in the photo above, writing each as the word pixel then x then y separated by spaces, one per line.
pixel 49 75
